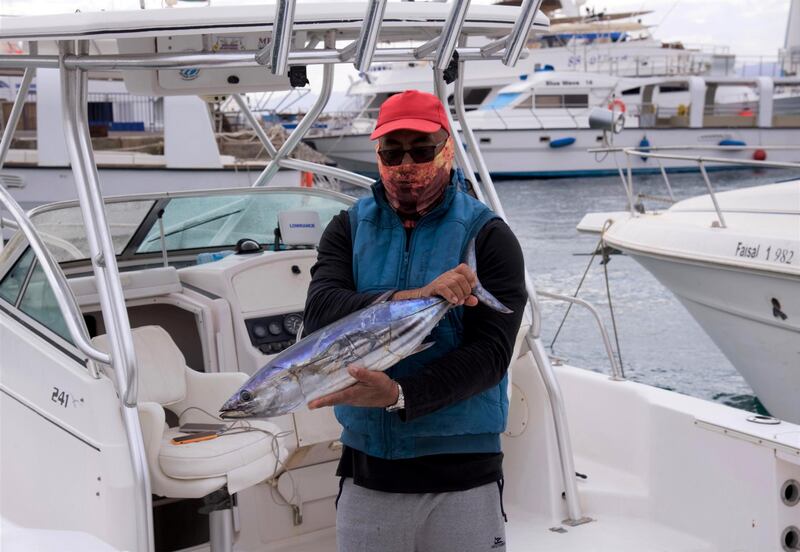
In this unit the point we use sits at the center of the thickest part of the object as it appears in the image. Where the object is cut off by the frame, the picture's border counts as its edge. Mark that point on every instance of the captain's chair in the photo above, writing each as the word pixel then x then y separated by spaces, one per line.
pixel 233 461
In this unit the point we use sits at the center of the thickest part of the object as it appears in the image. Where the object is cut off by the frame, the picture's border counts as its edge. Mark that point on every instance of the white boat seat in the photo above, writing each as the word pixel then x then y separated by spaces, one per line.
pixel 214 458
pixel 193 470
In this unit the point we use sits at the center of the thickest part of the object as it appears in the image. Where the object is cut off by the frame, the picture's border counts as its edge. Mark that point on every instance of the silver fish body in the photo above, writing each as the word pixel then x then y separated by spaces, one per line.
pixel 376 337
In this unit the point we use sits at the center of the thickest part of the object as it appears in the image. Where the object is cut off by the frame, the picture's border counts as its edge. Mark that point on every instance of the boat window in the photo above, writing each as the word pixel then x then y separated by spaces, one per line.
pixel 473 97
pixel 220 221
pixel 549 101
pixel 501 100
pixel 576 100
pixel 15 278
pixel 65 235
pixel 39 303
pixel 526 103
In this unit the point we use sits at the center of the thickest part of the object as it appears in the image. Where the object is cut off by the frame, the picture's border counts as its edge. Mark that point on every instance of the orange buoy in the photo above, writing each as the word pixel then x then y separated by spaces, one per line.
pixel 306 179
pixel 760 155
pixel 617 105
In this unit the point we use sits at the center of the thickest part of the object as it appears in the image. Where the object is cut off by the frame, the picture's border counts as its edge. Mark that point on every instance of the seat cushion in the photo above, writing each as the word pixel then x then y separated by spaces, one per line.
pixel 160 365
pixel 218 456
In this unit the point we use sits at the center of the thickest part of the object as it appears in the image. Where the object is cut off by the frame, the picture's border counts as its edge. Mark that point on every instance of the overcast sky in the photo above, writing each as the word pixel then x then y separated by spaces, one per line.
pixel 748 27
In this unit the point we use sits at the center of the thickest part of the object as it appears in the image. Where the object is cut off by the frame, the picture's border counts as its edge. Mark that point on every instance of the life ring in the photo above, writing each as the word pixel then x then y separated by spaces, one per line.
pixel 617 105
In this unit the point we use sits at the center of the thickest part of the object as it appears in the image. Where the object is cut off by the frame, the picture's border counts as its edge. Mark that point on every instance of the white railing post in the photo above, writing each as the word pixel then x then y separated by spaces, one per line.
pixel 552 387
pixel 74 84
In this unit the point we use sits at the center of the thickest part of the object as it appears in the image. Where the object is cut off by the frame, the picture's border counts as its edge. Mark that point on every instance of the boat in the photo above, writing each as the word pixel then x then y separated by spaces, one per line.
pixel 539 127
pixel 733 261
pixel 123 318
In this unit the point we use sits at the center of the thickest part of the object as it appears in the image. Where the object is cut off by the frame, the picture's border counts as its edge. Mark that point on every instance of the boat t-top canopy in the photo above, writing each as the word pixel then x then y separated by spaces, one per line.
pixel 401 21
pixel 192 50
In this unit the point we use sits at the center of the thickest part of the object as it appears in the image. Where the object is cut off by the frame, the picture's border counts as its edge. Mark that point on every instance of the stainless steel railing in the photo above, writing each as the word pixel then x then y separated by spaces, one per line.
pixel 701 160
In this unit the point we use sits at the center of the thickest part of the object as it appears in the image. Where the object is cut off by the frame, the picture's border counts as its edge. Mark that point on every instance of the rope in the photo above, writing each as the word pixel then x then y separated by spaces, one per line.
pixel 603 250
pixel 577 290
pixel 606 259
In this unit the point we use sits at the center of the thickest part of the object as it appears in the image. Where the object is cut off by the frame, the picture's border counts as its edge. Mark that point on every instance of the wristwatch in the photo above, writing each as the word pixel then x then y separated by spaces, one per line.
pixel 401 401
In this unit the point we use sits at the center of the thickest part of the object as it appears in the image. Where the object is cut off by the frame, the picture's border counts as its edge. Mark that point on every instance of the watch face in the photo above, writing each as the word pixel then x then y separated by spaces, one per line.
pixel 292 323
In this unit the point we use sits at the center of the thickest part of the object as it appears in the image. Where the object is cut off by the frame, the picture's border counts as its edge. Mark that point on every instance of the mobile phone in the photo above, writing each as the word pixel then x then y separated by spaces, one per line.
pixel 194 437
pixel 199 428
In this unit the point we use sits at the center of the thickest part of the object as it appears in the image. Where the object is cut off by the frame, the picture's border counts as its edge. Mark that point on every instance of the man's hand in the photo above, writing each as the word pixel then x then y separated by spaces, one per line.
pixel 371 389
pixel 454 286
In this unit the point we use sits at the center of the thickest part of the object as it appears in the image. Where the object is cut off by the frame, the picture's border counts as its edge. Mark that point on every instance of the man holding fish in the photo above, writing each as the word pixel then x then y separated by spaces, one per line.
pixel 421 466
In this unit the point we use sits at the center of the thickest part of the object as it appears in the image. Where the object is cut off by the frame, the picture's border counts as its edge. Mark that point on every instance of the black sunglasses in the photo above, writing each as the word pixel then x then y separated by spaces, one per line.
pixel 419 154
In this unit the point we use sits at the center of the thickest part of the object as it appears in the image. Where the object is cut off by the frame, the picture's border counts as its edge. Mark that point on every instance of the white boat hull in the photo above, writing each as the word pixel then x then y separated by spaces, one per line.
pixel 526 153
pixel 734 308
pixel 740 280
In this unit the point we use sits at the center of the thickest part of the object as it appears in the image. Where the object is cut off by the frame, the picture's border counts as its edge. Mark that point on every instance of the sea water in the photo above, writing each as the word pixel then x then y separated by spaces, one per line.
pixel 660 343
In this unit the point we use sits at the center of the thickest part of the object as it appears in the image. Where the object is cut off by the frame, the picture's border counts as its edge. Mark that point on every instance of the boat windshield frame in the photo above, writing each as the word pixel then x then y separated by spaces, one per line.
pixel 160 201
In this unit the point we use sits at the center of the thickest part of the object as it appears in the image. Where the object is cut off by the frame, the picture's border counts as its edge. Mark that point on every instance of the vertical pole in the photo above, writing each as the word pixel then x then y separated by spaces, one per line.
pixel 16 109
pixel 308 120
pixel 711 193
pixel 74 84
pixel 532 338
pixel 369 35
pixel 666 179
pixel 450 34
pixel 519 34
pixel 440 88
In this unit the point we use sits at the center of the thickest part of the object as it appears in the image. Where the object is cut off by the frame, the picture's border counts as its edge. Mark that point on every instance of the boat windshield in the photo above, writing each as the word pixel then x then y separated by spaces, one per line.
pixel 191 222
pixel 221 221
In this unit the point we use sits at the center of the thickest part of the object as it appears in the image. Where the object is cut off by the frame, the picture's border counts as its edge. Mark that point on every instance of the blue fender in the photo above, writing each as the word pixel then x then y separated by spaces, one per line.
pixel 562 142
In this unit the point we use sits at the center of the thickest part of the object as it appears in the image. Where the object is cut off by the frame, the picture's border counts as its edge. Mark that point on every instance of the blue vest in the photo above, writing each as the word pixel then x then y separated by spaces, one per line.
pixel 382 262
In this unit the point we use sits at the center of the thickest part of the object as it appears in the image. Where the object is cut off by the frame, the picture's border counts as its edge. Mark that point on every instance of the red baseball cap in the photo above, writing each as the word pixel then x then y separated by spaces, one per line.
pixel 411 110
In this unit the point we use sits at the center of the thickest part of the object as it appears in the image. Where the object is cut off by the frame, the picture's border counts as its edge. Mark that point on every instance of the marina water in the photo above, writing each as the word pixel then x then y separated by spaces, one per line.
pixel 660 342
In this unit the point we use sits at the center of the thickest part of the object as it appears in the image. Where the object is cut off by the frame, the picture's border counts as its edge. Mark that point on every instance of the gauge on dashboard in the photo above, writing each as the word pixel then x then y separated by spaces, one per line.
pixel 292 323
pixel 274 328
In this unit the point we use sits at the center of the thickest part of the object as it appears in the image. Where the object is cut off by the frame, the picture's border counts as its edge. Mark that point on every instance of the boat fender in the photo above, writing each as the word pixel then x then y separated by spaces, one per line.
pixel 617 105
pixel 760 155
pixel 731 142
pixel 644 145
pixel 562 142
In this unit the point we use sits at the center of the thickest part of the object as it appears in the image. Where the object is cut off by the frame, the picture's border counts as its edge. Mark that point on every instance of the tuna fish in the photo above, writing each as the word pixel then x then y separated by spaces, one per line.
pixel 376 337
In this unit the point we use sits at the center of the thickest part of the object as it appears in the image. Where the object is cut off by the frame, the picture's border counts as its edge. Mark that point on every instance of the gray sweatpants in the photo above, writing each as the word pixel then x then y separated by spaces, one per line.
pixel 464 521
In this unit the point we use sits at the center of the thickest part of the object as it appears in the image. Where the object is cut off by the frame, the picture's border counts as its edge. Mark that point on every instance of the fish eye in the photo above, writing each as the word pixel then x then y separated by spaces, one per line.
pixel 245 396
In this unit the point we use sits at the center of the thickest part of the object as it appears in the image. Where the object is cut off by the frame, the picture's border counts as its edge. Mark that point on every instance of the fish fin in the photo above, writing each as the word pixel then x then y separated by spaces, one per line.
pixel 383 297
pixel 479 291
pixel 423 346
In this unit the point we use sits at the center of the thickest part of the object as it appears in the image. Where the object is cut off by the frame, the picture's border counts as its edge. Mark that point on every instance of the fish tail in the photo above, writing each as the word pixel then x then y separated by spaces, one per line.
pixel 479 291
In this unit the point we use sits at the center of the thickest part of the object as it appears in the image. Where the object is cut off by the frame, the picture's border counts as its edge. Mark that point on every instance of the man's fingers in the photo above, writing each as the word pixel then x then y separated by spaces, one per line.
pixel 363 375
pixel 468 273
pixel 471 301
pixel 464 286
pixel 443 290
pixel 331 399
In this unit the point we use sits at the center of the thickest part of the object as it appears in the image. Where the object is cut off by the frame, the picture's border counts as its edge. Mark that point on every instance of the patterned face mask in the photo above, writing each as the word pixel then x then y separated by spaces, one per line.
pixel 412 189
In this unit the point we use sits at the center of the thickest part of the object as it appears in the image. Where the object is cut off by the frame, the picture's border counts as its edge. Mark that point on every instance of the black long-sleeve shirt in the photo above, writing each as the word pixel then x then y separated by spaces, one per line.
pixel 478 364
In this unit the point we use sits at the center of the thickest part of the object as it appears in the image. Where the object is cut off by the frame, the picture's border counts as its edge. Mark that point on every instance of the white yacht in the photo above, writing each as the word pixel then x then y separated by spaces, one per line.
pixel 539 127
pixel 733 260
pixel 112 336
